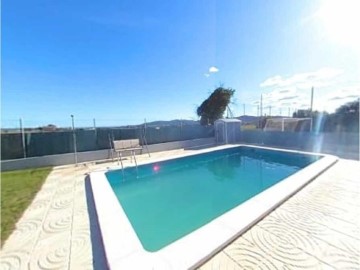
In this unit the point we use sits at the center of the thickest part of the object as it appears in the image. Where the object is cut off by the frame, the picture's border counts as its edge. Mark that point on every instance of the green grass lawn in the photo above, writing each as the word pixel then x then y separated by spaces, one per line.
pixel 18 189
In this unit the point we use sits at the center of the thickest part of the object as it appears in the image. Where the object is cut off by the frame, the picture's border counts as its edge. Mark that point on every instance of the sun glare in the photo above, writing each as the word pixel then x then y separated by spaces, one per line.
pixel 341 20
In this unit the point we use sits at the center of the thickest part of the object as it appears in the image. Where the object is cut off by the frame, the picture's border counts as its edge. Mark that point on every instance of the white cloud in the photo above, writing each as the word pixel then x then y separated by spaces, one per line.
pixel 287 98
pixel 272 81
pixel 324 99
pixel 348 93
pixel 284 91
pixel 213 69
pixel 278 96
pixel 294 91
pixel 319 78
pixel 331 100
pixel 206 74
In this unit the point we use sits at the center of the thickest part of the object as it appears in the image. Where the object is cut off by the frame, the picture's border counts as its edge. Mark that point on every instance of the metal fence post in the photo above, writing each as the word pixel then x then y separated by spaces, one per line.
pixel 181 130
pixel 22 137
pixel 94 123
pixel 74 140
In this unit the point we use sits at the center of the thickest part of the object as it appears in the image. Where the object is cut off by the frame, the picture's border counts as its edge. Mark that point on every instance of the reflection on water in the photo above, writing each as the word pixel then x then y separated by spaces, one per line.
pixel 225 167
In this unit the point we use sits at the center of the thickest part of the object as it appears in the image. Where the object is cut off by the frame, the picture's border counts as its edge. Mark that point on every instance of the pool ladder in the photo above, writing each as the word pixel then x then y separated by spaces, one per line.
pixel 132 155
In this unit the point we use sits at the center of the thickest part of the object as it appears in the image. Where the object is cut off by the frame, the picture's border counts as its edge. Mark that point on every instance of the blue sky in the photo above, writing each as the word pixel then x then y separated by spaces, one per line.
pixel 123 61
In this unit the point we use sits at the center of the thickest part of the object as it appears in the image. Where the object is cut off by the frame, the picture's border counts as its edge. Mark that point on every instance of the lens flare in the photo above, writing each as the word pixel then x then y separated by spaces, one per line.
pixel 156 168
pixel 318 136
pixel 341 20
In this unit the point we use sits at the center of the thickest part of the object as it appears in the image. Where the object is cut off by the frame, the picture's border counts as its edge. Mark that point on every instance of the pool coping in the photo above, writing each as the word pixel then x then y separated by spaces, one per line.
pixel 124 250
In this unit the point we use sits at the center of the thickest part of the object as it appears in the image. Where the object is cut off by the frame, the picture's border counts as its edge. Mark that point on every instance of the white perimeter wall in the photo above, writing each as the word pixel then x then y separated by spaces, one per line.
pixel 64 159
pixel 343 145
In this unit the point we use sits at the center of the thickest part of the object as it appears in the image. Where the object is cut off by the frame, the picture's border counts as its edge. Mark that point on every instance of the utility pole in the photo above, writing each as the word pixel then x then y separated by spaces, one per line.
pixel 270 110
pixel 244 108
pixel 258 109
pixel 289 112
pixel 261 106
pixel 144 140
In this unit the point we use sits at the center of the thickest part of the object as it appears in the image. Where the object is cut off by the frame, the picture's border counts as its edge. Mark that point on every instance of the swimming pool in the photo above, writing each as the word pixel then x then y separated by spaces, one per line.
pixel 166 200
pixel 174 213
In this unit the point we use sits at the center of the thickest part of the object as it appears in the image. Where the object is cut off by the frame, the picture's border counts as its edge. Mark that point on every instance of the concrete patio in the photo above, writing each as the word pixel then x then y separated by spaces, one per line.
pixel 319 227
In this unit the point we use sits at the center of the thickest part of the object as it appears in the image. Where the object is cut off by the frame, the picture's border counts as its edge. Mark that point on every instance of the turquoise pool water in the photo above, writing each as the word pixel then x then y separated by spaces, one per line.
pixel 167 200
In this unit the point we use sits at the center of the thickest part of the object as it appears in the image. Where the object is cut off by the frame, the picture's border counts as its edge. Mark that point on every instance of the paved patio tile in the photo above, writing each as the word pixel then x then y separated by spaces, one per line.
pixel 222 261
pixel 51 252
pixel 270 250
pixel 318 228
pixel 18 259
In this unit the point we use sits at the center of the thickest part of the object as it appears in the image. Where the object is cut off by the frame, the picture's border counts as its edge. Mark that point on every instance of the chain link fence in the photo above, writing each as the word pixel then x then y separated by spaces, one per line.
pixel 21 142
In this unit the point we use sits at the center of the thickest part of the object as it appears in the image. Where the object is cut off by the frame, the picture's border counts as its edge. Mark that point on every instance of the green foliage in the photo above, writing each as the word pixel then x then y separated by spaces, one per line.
pixel 302 114
pixel 262 121
pixel 348 108
pixel 345 118
pixel 18 188
pixel 215 105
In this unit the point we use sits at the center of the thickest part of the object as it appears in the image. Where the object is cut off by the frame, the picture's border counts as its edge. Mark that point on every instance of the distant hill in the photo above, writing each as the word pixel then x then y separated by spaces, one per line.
pixel 248 119
pixel 175 122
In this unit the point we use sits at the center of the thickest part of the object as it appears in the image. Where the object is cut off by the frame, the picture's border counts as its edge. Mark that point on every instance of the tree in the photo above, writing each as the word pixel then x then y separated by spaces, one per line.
pixel 215 105
pixel 346 117
pixel 302 114
pixel 348 108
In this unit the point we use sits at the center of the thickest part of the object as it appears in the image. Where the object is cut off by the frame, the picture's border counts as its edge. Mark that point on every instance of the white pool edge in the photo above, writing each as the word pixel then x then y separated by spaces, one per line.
pixel 123 248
